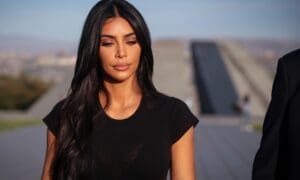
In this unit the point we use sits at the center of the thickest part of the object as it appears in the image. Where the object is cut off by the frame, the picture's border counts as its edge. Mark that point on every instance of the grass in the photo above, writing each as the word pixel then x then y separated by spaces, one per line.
pixel 257 127
pixel 20 92
pixel 6 125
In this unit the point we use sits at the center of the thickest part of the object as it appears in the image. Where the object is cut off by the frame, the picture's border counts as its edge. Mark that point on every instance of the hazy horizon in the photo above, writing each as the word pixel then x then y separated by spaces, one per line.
pixel 62 21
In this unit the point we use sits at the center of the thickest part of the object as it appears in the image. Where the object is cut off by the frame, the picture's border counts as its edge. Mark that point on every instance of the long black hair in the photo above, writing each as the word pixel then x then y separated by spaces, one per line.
pixel 79 109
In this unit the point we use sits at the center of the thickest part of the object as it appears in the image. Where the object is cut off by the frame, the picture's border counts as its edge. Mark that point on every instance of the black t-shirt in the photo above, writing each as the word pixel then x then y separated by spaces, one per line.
pixel 138 147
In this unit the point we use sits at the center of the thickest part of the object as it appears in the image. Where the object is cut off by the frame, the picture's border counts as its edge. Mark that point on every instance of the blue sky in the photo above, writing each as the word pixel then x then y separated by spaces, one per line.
pixel 63 20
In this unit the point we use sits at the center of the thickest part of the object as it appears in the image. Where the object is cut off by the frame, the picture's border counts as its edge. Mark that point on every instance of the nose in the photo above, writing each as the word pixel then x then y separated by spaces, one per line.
pixel 121 51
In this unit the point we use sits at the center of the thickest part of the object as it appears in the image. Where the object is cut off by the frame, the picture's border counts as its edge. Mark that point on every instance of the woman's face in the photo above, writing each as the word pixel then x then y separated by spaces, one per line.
pixel 119 50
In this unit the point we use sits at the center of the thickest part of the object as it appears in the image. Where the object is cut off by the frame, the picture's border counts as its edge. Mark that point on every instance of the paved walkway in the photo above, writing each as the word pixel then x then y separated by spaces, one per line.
pixel 22 153
pixel 222 151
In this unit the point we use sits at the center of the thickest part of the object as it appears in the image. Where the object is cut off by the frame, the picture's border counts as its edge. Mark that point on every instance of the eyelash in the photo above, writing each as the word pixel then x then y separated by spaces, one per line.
pixel 106 44
pixel 131 42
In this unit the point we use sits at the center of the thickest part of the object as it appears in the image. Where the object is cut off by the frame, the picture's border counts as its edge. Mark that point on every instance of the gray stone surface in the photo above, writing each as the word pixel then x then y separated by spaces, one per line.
pixel 41 107
pixel 222 151
pixel 242 84
pixel 173 71
pixel 213 81
pixel 22 152
pixel 257 78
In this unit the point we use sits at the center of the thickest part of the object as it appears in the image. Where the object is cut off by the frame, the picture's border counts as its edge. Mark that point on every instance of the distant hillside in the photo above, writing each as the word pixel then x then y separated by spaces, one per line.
pixel 32 45
pixel 268 47
pixel 267 51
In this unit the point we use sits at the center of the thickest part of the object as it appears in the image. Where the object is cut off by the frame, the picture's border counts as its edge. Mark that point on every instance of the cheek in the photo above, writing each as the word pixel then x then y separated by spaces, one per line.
pixel 105 57
pixel 136 55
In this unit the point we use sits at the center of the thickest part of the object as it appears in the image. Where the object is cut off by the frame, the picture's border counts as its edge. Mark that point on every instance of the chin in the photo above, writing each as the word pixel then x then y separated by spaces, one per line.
pixel 118 77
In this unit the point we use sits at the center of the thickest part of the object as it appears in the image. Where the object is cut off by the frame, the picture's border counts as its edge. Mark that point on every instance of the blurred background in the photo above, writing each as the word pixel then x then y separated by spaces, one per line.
pixel 218 56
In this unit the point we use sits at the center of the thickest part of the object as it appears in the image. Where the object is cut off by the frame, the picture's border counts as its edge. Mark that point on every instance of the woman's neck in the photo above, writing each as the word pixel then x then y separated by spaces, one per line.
pixel 122 93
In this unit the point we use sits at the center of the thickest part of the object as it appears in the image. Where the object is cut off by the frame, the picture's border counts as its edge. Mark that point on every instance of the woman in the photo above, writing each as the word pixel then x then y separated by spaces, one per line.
pixel 114 124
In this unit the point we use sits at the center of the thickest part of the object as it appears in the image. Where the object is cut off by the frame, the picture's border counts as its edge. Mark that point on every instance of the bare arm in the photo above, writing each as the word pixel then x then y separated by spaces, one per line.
pixel 49 155
pixel 182 155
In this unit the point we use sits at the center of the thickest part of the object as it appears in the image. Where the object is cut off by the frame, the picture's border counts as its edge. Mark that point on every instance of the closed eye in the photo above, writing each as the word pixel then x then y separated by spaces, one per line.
pixel 131 42
pixel 107 44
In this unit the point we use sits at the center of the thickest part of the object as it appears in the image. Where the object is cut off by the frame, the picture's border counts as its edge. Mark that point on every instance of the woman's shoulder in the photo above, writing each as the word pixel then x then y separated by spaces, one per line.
pixel 53 117
pixel 56 110
pixel 58 106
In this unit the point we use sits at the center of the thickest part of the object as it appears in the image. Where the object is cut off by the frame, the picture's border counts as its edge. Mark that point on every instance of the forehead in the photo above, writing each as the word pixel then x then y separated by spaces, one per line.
pixel 117 26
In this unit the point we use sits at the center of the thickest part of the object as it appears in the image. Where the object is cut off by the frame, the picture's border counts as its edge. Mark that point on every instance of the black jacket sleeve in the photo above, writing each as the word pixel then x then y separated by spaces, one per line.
pixel 266 159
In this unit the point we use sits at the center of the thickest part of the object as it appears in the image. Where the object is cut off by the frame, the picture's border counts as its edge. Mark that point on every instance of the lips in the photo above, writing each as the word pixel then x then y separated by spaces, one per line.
pixel 121 67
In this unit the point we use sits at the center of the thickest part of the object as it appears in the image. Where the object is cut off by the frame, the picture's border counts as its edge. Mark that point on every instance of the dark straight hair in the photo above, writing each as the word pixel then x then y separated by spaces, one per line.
pixel 79 110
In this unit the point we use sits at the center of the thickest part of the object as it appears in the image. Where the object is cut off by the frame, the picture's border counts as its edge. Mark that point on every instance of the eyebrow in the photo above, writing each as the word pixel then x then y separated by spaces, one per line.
pixel 111 36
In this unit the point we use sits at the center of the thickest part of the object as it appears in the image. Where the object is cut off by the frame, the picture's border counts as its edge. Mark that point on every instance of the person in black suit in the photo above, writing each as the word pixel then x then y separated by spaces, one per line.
pixel 278 157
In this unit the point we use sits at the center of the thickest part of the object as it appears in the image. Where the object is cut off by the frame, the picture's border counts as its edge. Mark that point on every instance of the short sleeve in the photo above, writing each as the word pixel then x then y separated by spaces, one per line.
pixel 182 119
pixel 53 117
